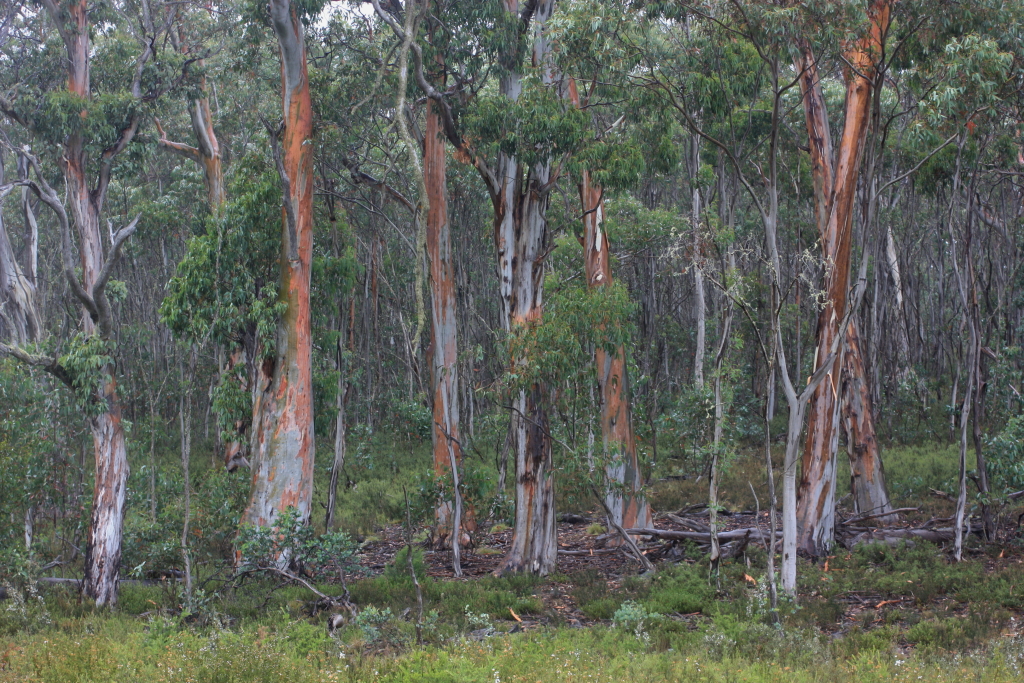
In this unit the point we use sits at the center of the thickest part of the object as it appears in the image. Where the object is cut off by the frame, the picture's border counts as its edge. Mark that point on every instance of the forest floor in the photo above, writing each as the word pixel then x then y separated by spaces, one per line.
pixel 878 612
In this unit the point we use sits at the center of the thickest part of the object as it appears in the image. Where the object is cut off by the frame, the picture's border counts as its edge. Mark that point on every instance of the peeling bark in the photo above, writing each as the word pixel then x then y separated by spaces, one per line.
pixel 835 191
pixel 103 552
pixel 867 477
pixel 444 342
pixel 19 314
pixel 521 238
pixel 283 447
pixel 625 501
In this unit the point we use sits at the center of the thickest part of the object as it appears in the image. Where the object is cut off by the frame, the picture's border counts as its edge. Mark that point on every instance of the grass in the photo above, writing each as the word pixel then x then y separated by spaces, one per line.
pixel 117 648
pixel 876 614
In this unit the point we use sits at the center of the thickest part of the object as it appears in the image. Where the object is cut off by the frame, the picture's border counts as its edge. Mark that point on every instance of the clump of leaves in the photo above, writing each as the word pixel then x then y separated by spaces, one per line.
pixel 291 542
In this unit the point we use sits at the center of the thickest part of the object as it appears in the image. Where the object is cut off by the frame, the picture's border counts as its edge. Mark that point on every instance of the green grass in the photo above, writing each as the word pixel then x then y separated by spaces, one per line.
pixel 921 617
pixel 115 649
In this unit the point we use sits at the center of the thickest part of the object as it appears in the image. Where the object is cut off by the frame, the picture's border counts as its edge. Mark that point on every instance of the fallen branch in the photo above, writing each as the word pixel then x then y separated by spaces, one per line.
pixel 689 524
pixel 672 535
pixel 647 564
pixel 862 518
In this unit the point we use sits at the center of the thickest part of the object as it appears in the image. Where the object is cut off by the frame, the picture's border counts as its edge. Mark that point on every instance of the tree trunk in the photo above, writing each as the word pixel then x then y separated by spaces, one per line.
pixel 19 315
pixel 444 343
pixel 867 477
pixel 628 506
pixel 521 238
pixel 283 412
pixel 700 308
pixel 834 212
pixel 103 552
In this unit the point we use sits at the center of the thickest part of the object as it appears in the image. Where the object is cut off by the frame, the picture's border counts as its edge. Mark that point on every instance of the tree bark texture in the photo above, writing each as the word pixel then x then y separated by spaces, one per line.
pixel 103 552
pixel 444 342
pixel 520 237
pixel 19 314
pixel 283 448
pixel 867 476
pixel 835 192
pixel 625 499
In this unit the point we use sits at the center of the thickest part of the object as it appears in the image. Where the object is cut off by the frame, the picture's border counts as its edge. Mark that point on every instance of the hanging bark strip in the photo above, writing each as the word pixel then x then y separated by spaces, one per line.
pixel 283 412
pixel 624 499
pixel 19 314
pixel 835 191
pixel 444 342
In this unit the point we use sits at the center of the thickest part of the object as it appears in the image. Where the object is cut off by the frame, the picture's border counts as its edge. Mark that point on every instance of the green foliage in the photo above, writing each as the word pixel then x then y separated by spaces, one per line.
pixel 682 589
pixel 536 127
pixel 225 288
pixel 88 360
pixel 291 541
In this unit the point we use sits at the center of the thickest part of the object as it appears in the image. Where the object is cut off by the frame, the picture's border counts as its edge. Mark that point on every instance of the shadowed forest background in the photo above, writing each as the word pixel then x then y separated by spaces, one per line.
pixel 436 340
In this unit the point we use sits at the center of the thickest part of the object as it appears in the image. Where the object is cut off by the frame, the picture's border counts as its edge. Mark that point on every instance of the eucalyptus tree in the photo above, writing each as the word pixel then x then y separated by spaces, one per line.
pixel 522 130
pixel 594 61
pixel 835 177
pixel 93 122
pixel 283 443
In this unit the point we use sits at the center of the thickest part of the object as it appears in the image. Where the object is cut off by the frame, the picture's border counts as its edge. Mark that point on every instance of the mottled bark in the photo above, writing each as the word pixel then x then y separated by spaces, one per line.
pixel 19 314
pixel 103 552
pixel 521 238
pixel 628 506
pixel 444 347
pixel 835 191
pixel 283 447
pixel 867 477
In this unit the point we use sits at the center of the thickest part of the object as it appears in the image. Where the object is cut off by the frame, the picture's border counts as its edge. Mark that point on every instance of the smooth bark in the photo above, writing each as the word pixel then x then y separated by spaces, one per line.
pixel 283 446
pixel 444 341
pixel 20 321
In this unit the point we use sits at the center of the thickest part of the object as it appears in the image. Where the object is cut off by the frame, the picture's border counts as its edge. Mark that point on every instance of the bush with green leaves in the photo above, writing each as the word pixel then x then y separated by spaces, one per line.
pixel 292 542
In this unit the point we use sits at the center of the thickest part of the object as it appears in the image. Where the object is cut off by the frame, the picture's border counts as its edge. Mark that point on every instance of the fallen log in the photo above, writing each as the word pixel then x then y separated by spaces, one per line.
pixel 895 536
pixel 700 537
pixel 689 524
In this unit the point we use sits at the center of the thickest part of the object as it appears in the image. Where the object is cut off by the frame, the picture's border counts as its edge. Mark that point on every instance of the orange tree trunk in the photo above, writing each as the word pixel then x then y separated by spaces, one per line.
pixel 282 465
pixel 444 342
pixel 816 495
pixel 628 506
pixel 867 477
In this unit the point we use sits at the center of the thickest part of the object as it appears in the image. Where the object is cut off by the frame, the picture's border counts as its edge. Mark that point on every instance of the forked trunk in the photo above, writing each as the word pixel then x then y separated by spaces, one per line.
pixel 520 237
pixel 283 412
pixel 835 191
pixel 521 241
